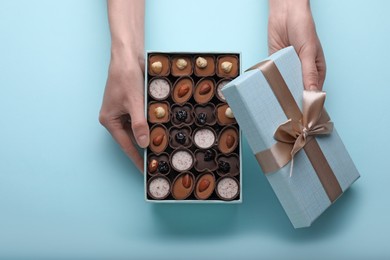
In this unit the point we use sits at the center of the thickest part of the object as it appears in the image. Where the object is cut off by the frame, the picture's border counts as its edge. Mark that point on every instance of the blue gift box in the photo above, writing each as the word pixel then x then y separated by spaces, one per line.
pixel 259 113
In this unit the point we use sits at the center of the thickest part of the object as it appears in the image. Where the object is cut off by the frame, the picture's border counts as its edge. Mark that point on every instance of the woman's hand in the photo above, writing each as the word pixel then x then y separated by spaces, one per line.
pixel 291 23
pixel 122 111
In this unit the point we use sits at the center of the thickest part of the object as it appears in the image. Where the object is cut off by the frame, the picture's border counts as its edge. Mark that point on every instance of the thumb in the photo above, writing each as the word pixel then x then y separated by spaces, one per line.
pixel 139 125
pixel 309 72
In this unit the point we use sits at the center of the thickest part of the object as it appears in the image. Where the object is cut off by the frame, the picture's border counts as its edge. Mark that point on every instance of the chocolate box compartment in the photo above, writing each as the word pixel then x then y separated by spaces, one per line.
pixel 182 114
pixel 181 65
pixel 227 188
pixel 183 89
pixel 160 168
pixel 158 138
pixel 192 80
pixel 163 60
pixel 183 186
pixel 204 90
pixel 206 159
pixel 205 114
pixel 176 138
pixel 208 70
pixel 159 88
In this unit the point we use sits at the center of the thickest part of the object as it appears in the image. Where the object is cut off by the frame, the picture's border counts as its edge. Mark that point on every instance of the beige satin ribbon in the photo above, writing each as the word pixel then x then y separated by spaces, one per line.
pixel 298 131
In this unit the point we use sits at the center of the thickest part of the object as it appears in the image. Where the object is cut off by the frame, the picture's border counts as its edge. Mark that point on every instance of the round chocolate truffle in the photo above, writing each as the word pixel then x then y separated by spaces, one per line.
pixel 204 186
pixel 158 138
pixel 220 85
pixel 204 91
pixel 181 66
pixel 224 115
pixel 183 186
pixel 227 188
pixel 227 66
pixel 204 138
pixel 159 187
pixel 228 139
pixel 182 160
pixel 204 66
pixel 182 90
pixel 159 88
pixel 158 65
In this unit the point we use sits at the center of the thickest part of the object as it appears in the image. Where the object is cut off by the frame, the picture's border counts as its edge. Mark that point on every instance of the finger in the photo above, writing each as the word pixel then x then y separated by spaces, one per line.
pixel 139 124
pixel 123 139
pixel 309 71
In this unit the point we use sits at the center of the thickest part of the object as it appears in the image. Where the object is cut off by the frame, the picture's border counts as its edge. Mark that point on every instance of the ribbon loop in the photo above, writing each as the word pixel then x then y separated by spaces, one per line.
pixel 299 133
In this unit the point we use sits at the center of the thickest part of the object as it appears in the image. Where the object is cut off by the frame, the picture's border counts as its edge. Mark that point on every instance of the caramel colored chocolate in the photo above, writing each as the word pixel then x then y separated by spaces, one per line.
pixel 178 69
pixel 228 139
pixel 204 91
pixel 182 114
pixel 205 159
pixel 156 106
pixel 176 137
pixel 221 115
pixel 164 62
pixel 200 192
pixel 159 139
pixel 205 115
pixel 179 86
pixel 234 69
pixel 183 186
pixel 233 162
pixel 209 70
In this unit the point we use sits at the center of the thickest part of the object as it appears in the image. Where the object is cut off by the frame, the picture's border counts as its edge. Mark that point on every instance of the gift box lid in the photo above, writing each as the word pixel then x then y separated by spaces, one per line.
pixel 258 112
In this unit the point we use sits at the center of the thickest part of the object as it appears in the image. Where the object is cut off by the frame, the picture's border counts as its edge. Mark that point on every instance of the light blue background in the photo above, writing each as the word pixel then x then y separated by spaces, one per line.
pixel 67 191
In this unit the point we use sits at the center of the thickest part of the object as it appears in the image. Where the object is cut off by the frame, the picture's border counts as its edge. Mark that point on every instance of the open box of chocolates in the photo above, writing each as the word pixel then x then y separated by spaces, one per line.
pixel 195 142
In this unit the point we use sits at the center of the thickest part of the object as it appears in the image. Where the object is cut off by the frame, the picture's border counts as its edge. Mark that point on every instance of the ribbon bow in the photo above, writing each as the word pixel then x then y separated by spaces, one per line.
pixel 313 122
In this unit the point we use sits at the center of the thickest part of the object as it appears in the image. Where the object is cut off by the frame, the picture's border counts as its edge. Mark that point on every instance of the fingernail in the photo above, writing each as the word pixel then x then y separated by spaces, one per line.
pixel 143 141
